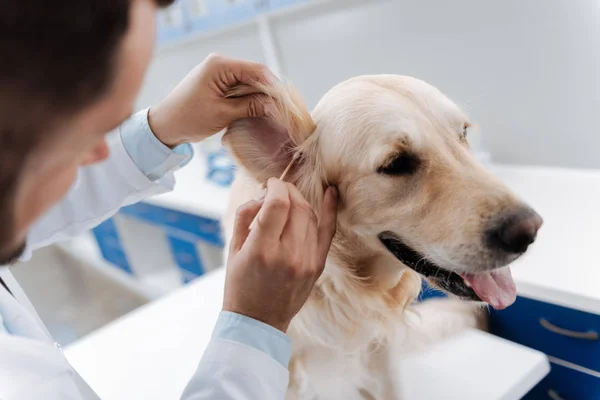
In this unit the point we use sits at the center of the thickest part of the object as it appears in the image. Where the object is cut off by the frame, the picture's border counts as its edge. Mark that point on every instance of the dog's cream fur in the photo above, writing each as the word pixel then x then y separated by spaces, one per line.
pixel 361 315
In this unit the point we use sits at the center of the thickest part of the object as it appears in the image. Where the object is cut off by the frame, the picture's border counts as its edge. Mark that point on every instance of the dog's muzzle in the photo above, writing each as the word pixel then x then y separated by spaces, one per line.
pixel 446 280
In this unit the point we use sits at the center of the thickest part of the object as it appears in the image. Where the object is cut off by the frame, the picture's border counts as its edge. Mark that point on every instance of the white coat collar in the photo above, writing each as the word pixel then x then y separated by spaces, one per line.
pixel 17 311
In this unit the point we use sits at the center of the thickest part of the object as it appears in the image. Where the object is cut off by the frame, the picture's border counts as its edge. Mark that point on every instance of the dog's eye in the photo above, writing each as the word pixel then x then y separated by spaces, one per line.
pixel 402 164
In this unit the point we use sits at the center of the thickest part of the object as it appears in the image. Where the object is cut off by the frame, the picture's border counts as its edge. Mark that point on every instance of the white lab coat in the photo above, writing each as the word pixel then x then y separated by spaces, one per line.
pixel 32 366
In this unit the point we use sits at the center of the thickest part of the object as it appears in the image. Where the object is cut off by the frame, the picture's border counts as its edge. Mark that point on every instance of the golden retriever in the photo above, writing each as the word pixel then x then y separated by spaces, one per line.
pixel 413 203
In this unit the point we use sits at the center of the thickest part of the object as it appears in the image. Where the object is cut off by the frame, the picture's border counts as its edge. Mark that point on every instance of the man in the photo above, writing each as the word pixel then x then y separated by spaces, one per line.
pixel 70 72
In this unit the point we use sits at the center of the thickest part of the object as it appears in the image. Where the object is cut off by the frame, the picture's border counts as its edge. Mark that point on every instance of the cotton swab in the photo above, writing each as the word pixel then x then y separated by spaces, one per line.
pixel 285 171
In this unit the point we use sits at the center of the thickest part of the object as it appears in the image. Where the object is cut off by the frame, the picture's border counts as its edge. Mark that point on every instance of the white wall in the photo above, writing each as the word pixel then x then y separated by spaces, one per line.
pixel 526 71
pixel 171 65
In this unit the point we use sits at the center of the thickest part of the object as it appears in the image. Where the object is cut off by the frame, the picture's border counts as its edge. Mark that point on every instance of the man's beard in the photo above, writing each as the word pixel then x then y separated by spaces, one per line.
pixel 9 256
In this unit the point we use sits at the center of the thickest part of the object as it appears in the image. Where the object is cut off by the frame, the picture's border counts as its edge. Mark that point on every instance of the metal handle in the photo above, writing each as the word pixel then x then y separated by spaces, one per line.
pixel 590 335
pixel 554 396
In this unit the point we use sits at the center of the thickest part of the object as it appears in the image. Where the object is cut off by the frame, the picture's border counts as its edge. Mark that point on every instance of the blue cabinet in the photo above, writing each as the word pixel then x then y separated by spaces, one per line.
pixel 177 223
pixel 561 332
pixel 195 243
pixel 568 336
pixel 566 383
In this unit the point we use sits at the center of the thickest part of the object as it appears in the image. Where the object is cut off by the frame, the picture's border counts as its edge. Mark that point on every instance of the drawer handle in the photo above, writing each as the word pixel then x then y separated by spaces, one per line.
pixel 554 396
pixel 590 335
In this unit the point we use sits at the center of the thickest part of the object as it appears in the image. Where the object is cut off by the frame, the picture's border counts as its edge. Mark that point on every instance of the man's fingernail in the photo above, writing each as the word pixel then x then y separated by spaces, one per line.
pixel 334 192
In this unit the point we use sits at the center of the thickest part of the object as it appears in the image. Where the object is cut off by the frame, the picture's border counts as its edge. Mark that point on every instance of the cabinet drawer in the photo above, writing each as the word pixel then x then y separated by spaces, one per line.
pixel 561 332
pixel 566 384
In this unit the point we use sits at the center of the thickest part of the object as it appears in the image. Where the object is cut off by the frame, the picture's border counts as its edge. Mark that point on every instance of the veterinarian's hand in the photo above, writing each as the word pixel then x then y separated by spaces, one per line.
pixel 197 108
pixel 272 268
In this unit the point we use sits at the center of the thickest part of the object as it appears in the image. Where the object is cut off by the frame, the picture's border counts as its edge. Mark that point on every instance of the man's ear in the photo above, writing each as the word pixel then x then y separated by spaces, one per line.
pixel 265 146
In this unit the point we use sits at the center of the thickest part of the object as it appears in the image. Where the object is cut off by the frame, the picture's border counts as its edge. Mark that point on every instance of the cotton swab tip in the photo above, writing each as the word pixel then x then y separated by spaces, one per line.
pixel 285 171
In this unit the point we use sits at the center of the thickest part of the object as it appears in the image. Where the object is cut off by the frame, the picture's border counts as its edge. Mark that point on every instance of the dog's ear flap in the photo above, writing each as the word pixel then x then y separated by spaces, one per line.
pixel 261 145
pixel 265 146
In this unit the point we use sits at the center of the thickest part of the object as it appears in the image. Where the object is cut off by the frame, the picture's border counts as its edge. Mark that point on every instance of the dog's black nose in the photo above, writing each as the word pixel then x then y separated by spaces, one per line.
pixel 515 234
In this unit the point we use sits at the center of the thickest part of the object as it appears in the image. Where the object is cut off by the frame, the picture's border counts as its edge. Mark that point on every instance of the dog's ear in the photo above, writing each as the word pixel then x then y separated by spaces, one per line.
pixel 265 146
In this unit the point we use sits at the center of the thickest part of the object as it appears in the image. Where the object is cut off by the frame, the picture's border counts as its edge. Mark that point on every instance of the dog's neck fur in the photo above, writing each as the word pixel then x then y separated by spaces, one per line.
pixel 362 292
pixel 363 311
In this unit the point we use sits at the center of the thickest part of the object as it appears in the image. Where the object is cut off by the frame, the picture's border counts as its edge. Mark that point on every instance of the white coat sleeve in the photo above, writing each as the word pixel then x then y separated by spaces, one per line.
pixel 245 360
pixel 130 174
pixel 233 371
pixel 229 370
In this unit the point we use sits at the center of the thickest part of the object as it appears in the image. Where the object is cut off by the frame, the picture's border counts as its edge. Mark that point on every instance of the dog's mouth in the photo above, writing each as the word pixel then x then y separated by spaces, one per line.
pixel 495 287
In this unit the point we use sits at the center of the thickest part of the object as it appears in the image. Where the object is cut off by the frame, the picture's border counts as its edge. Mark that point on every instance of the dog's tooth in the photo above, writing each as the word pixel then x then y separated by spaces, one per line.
pixel 467 284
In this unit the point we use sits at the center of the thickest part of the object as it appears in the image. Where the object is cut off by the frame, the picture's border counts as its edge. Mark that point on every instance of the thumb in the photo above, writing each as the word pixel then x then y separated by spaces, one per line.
pixel 244 217
pixel 250 106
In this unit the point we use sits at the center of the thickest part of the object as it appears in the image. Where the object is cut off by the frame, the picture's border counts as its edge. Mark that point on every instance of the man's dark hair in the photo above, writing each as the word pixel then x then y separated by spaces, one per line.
pixel 60 52
pixel 56 58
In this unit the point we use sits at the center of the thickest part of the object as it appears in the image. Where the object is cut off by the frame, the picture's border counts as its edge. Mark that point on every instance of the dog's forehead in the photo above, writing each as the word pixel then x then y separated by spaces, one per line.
pixel 374 115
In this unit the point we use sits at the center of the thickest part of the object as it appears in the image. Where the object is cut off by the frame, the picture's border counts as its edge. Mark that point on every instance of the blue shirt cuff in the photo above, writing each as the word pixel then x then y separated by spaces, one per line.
pixel 150 155
pixel 256 334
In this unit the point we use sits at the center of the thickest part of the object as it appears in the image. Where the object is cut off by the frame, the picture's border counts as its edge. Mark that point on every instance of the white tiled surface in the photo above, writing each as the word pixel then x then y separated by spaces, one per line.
pixel 71 301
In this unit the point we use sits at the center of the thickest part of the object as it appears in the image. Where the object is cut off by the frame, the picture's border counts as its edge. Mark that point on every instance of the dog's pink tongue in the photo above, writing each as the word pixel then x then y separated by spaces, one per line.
pixel 496 288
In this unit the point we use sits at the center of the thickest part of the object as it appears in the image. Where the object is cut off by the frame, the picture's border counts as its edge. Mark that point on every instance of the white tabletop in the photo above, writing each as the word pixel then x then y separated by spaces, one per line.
pixel 472 366
pixel 152 352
